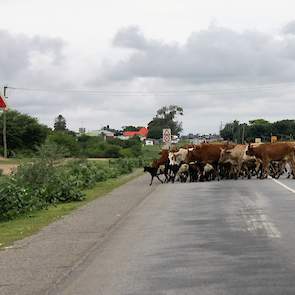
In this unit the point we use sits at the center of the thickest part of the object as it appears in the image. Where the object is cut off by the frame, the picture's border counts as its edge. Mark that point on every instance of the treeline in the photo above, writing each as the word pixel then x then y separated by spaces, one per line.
pixel 25 134
pixel 258 128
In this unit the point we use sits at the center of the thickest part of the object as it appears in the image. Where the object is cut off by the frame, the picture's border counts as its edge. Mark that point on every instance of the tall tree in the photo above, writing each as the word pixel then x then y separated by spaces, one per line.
pixel 232 131
pixel 259 128
pixel 60 123
pixel 23 131
pixel 165 118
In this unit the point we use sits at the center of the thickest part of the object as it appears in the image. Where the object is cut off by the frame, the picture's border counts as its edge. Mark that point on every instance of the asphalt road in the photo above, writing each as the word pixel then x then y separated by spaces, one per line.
pixel 227 237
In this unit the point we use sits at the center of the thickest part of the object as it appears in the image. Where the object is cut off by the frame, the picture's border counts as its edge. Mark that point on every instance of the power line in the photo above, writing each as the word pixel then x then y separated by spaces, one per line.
pixel 201 91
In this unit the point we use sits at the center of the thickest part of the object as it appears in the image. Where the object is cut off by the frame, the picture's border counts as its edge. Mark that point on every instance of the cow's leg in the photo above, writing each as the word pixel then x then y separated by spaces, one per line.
pixel 216 168
pixel 258 169
pixel 152 180
pixel 159 178
pixel 265 168
pixel 292 165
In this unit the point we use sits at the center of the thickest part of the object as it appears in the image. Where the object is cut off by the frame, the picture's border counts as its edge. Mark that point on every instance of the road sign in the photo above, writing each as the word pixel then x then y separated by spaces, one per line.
pixel 166 136
pixel 3 104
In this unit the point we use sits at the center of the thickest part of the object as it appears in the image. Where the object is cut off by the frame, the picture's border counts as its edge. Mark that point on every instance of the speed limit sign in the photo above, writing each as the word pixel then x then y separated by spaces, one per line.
pixel 166 136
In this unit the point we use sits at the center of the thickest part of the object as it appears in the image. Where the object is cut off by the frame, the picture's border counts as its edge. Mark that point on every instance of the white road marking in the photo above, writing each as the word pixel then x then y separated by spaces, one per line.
pixel 283 185
pixel 257 221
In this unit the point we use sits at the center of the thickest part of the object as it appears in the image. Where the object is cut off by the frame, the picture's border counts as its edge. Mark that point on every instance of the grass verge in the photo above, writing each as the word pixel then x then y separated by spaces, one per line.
pixel 31 223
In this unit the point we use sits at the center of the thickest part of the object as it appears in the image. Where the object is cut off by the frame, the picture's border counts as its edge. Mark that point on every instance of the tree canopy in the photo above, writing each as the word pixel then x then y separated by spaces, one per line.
pixel 60 123
pixel 23 131
pixel 130 128
pixel 258 128
pixel 165 118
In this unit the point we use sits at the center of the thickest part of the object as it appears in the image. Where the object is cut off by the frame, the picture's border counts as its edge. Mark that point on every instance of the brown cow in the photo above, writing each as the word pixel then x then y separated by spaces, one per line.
pixel 272 152
pixel 163 159
pixel 207 153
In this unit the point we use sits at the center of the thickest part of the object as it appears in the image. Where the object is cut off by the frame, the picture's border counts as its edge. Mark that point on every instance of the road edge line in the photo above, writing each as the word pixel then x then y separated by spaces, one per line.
pixel 283 185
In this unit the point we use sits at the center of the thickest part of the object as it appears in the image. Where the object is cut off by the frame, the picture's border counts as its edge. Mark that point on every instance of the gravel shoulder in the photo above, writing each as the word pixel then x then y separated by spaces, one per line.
pixel 38 263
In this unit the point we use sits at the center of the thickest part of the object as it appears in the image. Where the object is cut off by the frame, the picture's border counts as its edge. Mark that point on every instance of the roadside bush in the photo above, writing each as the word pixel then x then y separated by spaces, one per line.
pixel 16 199
pixel 112 151
pixel 46 181
pixel 96 147
pixel 66 140
pixel 62 187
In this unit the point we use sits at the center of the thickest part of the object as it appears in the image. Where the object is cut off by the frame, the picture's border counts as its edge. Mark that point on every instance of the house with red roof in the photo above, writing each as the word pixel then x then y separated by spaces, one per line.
pixel 142 133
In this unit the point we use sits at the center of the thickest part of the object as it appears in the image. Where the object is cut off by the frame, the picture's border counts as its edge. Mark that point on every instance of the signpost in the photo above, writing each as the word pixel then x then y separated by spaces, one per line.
pixel 3 106
pixel 167 137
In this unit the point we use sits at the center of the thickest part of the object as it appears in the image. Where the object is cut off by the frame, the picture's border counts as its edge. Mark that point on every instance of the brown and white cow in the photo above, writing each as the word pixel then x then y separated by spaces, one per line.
pixel 234 158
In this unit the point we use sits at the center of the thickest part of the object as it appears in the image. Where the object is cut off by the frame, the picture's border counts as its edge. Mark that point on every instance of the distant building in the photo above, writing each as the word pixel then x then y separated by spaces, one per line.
pixel 174 139
pixel 82 130
pixel 149 142
pixel 105 133
pixel 142 133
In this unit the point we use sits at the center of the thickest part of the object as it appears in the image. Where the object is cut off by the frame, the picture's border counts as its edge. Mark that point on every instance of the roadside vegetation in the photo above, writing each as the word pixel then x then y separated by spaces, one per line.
pixel 47 180
pixel 31 222
pixel 56 171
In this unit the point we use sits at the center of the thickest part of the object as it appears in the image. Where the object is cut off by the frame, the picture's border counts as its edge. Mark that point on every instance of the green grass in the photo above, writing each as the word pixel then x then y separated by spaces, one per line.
pixel 29 224
pixel 11 161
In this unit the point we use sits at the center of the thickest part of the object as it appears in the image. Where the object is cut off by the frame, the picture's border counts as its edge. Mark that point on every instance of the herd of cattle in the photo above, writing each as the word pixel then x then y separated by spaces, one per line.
pixel 224 161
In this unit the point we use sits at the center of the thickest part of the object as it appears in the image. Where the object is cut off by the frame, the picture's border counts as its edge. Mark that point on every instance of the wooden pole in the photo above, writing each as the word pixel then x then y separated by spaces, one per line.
pixel 4 128
pixel 243 134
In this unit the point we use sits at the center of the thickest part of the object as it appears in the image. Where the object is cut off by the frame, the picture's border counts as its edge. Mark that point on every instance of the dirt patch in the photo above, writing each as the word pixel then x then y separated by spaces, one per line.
pixel 8 168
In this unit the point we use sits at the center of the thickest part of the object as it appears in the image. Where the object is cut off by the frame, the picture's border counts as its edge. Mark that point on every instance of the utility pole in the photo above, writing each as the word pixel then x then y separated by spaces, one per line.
pixel 243 134
pixel 4 126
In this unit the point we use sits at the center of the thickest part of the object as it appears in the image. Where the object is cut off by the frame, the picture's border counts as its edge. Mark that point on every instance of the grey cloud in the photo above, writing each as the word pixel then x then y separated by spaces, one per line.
pixel 130 37
pixel 17 50
pixel 289 28
pixel 218 54
pixel 211 61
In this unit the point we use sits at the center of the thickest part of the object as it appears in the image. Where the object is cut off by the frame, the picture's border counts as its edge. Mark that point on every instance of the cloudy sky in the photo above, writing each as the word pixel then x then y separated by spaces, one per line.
pixel 116 62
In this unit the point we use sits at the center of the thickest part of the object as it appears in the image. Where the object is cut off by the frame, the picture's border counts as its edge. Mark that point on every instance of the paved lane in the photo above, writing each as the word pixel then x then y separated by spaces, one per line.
pixel 229 237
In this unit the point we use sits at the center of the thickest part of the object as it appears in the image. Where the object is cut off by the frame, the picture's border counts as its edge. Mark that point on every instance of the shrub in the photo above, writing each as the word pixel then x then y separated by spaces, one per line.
pixel 45 181
pixel 16 199
pixel 66 140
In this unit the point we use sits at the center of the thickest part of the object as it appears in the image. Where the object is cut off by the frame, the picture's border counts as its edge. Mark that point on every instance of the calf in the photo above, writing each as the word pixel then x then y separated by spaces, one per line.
pixel 193 172
pixel 183 173
pixel 154 172
pixel 209 172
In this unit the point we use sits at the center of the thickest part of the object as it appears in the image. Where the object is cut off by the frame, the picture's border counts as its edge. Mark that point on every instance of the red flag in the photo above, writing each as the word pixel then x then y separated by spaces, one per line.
pixel 2 103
